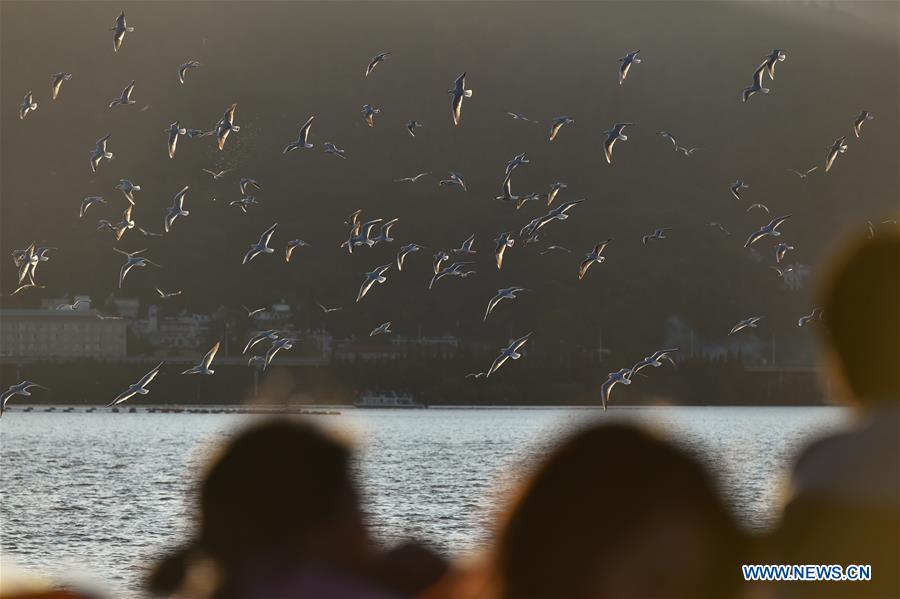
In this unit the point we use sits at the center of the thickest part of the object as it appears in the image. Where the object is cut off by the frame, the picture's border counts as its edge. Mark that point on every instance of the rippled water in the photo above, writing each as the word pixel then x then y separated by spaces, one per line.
pixel 102 493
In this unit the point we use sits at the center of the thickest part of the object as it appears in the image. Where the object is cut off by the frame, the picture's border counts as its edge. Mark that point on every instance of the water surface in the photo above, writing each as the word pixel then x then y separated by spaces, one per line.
pixel 103 493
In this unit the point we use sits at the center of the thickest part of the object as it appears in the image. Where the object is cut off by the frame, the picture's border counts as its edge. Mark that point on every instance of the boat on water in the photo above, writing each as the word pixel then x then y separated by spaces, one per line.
pixel 389 400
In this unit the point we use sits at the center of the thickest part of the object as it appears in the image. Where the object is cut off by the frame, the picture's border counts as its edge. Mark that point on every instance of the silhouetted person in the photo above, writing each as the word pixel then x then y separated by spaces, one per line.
pixel 279 517
pixel 615 512
pixel 845 491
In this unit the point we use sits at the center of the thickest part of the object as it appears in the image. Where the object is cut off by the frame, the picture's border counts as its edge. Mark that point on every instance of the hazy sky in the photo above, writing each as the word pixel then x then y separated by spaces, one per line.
pixel 282 62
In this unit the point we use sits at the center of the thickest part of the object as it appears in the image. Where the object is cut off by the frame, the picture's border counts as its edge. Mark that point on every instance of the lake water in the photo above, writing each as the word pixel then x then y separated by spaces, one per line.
pixel 98 495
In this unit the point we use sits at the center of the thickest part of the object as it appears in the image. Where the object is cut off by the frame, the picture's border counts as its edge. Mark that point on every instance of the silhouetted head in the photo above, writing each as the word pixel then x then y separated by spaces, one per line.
pixel 614 512
pixel 279 495
pixel 861 303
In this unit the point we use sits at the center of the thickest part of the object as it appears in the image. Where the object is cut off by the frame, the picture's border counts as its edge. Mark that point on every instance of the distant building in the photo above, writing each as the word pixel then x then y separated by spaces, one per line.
pixel 275 315
pixel 60 334
pixel 127 306
pixel 185 331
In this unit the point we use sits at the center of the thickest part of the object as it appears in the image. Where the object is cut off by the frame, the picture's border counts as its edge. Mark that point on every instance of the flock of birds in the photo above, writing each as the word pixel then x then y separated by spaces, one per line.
pixel 360 232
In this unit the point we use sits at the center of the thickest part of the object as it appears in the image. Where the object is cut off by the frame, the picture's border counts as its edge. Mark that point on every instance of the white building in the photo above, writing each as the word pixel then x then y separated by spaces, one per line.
pixel 60 334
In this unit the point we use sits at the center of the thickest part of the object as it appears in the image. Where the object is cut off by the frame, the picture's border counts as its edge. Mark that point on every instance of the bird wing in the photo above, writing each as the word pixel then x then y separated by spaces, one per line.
pixel 456 107
pixel 210 355
pixel 147 378
pixel 267 235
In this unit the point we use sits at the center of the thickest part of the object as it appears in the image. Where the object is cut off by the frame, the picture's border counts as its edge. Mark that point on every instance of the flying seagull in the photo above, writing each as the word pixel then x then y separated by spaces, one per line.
pixel 225 126
pixel 506 194
pixel 119 29
pixel 372 277
pixel 657 235
pixel 128 188
pixel 332 149
pixel 838 147
pixel 861 118
pixel 382 329
pixel 458 92
pixel 404 251
pixel 246 183
pixel 769 229
pixel 56 81
pixel 381 57
pixel 757 85
pixel 165 295
pixel 554 191
pixel 177 209
pixel 516 161
pixel 302 138
pixel 244 203
pixel 261 246
pixel 253 312
pixel 292 245
pixel 592 257
pixel 777 55
pixel 327 310
pixel 736 188
pixel 99 153
pixel 466 247
pixel 369 113
pixel 612 136
pixel 131 260
pixel 509 352
pixel 411 126
pixel 670 137
pixel 217 175
pixel 745 324
pixel 655 360
pixel 557 124
pixel 20 389
pixel 454 270
pixel 360 235
pixel 125 98
pixel 553 248
pixel 384 236
pixel 518 116
pixel 507 293
pixel 87 203
pixel 73 306
pixel 760 206
pixel 126 223
pixel 782 271
pixel 182 70
pixel 816 314
pixel 28 105
pixel 802 175
pixel 139 388
pixel 621 376
pixel 174 131
pixel 627 61
pixel 414 179
pixel 503 241
pixel 781 250
pixel 439 258
pixel 278 345
pixel 270 334
pixel 203 366
pixel 453 179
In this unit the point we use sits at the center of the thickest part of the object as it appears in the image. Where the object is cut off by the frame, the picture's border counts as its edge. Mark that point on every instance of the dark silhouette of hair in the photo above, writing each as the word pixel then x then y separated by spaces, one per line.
pixel 862 318
pixel 281 492
pixel 616 512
